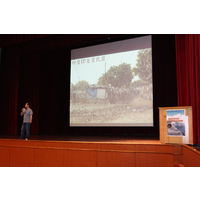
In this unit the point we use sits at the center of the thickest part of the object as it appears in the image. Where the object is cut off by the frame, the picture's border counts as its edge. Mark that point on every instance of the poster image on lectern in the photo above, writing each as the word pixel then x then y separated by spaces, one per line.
pixel 175 122
pixel 111 84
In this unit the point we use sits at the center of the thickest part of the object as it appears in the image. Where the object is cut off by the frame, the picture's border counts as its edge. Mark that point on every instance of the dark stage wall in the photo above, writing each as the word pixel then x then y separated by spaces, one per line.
pixel 38 71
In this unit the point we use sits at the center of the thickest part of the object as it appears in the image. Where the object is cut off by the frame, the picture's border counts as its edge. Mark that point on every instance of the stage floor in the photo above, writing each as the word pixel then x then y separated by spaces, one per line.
pixel 91 138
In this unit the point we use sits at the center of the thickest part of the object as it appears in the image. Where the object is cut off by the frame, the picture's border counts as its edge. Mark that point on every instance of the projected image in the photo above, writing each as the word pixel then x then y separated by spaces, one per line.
pixel 112 89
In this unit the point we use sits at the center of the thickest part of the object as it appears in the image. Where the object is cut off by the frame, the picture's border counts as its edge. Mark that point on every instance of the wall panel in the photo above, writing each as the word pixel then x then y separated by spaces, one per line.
pixel 4 156
pixel 49 157
pixel 116 159
pixel 53 144
pixel 190 157
pixel 80 158
pixel 154 160
pixel 80 145
pixel 154 148
pixel 113 146
pixel 22 157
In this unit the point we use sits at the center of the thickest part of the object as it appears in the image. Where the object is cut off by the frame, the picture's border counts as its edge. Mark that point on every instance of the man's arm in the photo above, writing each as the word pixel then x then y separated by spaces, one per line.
pixel 22 113
pixel 31 117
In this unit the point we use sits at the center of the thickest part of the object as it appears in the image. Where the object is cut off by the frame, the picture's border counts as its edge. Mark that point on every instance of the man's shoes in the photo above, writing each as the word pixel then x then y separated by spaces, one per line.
pixel 26 139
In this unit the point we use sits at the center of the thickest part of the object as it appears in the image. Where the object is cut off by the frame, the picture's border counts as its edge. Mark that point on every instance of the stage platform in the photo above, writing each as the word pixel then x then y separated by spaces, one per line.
pixel 92 151
pixel 91 138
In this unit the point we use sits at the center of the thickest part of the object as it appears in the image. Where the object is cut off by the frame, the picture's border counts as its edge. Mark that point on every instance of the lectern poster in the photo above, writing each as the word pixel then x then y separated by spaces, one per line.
pixel 175 122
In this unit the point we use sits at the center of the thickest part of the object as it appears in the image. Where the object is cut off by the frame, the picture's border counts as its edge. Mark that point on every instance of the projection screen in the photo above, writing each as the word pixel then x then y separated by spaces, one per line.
pixel 111 84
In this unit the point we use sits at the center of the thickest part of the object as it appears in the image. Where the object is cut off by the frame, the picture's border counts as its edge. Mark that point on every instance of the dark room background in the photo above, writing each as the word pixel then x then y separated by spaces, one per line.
pixel 36 69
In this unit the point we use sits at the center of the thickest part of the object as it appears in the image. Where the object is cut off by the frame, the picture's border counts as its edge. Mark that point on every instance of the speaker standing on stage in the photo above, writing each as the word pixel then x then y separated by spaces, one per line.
pixel 27 121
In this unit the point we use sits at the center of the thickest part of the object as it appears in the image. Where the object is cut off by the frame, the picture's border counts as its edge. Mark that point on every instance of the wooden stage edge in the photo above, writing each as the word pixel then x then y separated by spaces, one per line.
pixel 89 139
pixel 92 152
pixel 146 142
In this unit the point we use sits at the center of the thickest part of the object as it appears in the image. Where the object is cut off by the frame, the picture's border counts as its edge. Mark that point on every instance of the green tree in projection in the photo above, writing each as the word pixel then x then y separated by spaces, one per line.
pixel 117 76
pixel 81 85
pixel 143 67
pixel 138 83
pixel 72 87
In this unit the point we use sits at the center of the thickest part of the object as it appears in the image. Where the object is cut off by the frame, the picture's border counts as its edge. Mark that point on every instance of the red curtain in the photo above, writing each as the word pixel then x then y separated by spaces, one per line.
pixel 188 77
pixel 9 77
pixel 9 39
pixel 20 78
pixel 29 80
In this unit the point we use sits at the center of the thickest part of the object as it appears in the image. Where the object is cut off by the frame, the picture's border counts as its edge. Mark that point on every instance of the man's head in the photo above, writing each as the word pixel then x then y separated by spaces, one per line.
pixel 27 105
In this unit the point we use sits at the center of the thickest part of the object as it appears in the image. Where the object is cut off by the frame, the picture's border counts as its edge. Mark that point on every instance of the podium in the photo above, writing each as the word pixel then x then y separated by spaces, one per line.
pixel 170 126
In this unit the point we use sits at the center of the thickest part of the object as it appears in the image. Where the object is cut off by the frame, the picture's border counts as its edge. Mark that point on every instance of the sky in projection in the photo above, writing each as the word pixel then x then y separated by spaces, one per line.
pixel 92 68
pixel 175 113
